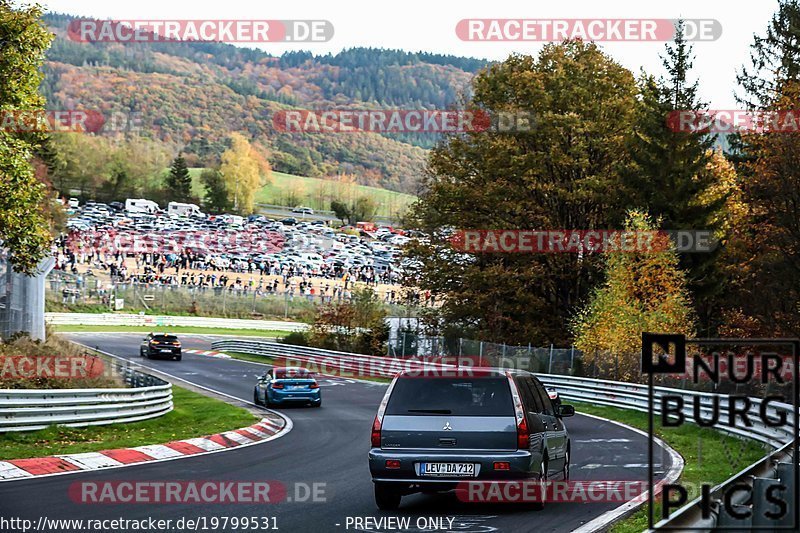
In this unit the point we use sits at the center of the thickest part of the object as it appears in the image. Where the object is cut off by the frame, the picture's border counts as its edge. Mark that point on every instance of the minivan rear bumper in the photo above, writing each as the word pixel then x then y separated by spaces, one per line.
pixel 522 465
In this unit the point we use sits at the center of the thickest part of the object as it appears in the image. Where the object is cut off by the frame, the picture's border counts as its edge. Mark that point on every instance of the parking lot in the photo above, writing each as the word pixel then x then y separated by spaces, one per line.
pixel 287 256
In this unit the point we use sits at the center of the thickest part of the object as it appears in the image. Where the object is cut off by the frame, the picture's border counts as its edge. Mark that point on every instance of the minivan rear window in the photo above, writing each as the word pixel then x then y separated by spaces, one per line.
pixel 451 396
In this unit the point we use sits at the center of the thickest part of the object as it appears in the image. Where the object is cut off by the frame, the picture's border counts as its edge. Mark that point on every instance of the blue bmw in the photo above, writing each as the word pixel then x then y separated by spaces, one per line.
pixel 287 385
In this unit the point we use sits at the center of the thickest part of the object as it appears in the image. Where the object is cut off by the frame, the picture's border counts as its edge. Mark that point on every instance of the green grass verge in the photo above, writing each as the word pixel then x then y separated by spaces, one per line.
pixel 703 450
pixel 66 328
pixel 194 415
pixel 252 358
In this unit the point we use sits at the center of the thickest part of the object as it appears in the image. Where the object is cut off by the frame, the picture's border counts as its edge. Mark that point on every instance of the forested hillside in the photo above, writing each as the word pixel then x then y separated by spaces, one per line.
pixel 191 96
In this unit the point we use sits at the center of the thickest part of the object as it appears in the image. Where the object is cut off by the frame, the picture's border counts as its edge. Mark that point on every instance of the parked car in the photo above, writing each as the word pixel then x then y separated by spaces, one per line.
pixel 160 345
pixel 287 385
pixel 432 432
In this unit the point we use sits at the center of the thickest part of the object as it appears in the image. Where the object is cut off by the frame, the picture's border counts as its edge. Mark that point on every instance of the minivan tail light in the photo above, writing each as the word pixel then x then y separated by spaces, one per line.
pixel 523 432
pixel 376 433
pixel 523 435
pixel 375 436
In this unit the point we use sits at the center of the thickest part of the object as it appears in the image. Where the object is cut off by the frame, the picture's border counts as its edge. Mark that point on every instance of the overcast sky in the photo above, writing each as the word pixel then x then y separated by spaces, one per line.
pixel 429 25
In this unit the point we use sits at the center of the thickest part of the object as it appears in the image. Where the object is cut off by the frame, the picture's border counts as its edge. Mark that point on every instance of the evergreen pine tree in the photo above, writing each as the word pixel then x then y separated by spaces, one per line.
pixel 767 271
pixel 669 175
pixel 216 197
pixel 179 182
pixel 774 59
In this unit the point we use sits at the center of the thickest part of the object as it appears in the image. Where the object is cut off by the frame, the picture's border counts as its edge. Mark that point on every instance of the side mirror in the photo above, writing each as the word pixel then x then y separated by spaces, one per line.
pixel 565 410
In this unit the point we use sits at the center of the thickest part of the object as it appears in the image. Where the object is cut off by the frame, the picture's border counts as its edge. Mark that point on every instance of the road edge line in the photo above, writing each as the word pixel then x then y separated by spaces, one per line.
pixel 609 517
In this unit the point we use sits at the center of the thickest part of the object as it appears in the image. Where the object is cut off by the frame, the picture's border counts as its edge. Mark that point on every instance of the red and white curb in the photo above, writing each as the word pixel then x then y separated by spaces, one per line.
pixel 265 430
pixel 209 353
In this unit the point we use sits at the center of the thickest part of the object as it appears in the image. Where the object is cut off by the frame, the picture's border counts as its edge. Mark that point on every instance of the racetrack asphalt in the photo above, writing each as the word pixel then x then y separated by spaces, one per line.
pixel 327 446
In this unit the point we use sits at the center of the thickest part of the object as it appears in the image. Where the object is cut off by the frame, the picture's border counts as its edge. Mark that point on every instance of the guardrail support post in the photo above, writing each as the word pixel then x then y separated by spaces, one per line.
pixel 572 359
pixel 761 507
pixel 732 524
pixel 785 471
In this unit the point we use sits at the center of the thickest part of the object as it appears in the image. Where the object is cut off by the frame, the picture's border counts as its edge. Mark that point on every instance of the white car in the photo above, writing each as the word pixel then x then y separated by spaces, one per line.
pixel 303 210
pixel 73 203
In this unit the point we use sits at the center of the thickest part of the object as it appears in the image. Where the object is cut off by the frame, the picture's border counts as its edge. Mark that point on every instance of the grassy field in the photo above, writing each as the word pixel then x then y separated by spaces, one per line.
pixel 706 463
pixel 290 190
pixel 194 415
pixel 316 193
pixel 172 329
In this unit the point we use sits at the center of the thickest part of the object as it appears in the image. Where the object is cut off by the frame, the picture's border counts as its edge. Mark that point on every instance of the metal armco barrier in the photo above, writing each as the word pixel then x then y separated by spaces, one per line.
pixel 760 475
pixel 33 409
pixel 342 364
pixel 634 396
pixel 161 321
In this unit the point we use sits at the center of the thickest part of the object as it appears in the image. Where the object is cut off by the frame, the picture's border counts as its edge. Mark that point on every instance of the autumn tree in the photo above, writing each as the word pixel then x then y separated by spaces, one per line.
pixel 23 227
pixel 93 164
pixel 244 171
pixel 643 291
pixel 564 173
pixel 357 326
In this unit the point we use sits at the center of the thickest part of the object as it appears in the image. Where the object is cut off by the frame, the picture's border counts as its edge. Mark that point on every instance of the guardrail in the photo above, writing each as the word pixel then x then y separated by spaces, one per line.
pixel 774 468
pixel 343 364
pixel 635 396
pixel 156 321
pixel 33 409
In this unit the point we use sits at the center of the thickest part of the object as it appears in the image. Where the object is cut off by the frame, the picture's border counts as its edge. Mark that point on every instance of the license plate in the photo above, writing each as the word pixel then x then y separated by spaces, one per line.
pixel 295 387
pixel 166 350
pixel 447 469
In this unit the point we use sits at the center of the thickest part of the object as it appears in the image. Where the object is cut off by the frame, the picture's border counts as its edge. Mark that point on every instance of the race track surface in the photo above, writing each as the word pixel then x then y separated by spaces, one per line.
pixel 327 446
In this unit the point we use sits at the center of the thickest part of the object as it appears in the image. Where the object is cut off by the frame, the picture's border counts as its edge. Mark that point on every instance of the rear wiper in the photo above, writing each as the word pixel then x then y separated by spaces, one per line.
pixel 434 411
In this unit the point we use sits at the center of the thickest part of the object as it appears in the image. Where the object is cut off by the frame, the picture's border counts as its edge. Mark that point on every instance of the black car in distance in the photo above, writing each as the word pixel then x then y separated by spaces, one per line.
pixel 160 346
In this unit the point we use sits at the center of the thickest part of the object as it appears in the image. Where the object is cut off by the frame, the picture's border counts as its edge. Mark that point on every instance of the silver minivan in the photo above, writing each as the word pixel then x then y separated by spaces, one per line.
pixel 433 432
